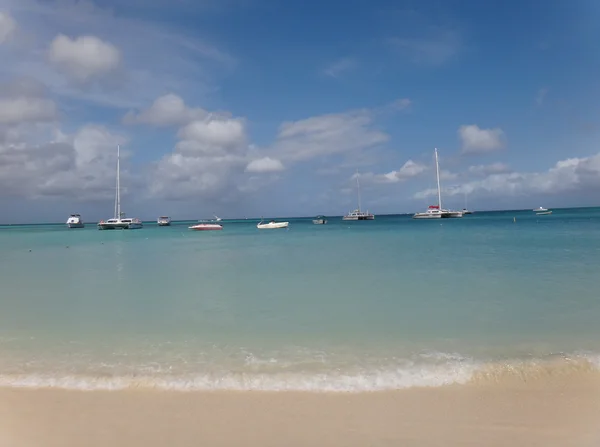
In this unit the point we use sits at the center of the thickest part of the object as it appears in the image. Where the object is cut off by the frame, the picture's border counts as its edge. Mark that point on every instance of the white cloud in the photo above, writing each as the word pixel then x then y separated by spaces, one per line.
pixel 324 135
pixel 167 110
pixel 7 27
pixel 401 104
pixel 154 57
pixel 493 168
pixel 409 170
pixel 24 101
pixel 213 137
pixel 570 175
pixel 84 58
pixel 266 164
pixel 80 166
pixel 340 66
pixel 478 141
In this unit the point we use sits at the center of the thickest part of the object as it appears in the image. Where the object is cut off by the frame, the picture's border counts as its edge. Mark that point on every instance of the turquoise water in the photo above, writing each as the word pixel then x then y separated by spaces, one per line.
pixel 348 306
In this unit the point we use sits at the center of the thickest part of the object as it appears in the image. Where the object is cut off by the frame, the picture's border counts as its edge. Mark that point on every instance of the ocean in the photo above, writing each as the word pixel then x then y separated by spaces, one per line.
pixel 348 306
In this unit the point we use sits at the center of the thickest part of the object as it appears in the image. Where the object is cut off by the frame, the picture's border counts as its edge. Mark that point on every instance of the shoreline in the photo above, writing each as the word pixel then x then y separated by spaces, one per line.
pixel 555 410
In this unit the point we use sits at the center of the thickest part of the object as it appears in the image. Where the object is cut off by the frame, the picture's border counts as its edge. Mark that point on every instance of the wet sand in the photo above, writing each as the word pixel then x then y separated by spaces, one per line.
pixel 553 411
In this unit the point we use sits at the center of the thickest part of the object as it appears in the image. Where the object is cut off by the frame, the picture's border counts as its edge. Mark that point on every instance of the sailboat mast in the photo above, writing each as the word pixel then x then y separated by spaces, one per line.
pixel 118 202
pixel 437 171
pixel 358 189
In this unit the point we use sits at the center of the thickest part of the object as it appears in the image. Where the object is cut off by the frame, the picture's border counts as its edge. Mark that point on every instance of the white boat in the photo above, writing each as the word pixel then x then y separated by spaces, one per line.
pixel 272 225
pixel 119 221
pixel 539 210
pixel 320 220
pixel 163 221
pixel 206 227
pixel 75 221
pixel 217 218
pixel 357 214
pixel 436 211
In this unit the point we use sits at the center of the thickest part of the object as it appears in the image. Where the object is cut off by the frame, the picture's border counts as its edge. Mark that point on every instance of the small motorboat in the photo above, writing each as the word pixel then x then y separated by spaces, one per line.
pixel 164 221
pixel 75 221
pixel 206 227
pixel 272 225
pixel 320 220
pixel 542 211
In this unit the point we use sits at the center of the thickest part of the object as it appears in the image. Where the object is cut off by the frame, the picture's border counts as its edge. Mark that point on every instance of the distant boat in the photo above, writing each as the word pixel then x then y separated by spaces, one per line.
pixel 119 222
pixel 320 220
pixel 75 221
pixel 206 227
pixel 164 221
pixel 357 214
pixel 465 210
pixel 541 211
pixel 272 225
pixel 436 211
pixel 217 218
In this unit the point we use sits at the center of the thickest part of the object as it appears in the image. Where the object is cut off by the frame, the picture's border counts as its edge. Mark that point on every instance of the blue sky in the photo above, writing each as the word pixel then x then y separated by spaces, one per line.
pixel 265 107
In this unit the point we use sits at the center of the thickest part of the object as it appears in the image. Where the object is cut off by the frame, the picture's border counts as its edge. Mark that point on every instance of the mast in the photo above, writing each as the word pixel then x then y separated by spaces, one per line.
pixel 437 171
pixel 358 189
pixel 118 194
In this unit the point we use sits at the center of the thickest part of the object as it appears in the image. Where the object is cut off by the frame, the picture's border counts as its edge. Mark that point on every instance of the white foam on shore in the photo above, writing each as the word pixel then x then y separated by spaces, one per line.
pixel 454 370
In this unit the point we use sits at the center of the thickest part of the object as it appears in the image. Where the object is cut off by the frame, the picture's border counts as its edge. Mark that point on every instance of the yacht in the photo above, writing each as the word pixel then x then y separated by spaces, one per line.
pixel 320 220
pixel 163 221
pixel 272 225
pixel 75 221
pixel 119 221
pixel 436 211
pixel 357 214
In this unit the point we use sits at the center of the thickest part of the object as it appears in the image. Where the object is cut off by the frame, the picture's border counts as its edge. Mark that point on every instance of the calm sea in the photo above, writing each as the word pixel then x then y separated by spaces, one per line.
pixel 347 306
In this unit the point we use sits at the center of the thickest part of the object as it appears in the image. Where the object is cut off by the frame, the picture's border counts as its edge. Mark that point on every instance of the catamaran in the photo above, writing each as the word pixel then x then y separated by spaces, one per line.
pixel 436 211
pixel 357 214
pixel 119 221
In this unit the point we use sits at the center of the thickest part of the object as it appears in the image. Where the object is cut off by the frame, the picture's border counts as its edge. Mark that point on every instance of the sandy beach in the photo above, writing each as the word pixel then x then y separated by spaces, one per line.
pixel 550 411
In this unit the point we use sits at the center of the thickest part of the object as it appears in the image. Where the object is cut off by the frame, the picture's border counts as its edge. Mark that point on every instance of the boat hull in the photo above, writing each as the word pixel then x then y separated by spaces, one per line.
pixel 206 227
pixel 164 224
pixel 273 226
pixel 358 218
pixel 319 221
pixel 543 213
pixel 119 226
pixel 76 225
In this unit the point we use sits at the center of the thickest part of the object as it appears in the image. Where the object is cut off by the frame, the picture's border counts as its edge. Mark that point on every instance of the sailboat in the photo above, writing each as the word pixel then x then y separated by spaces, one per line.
pixel 119 221
pixel 436 211
pixel 466 208
pixel 357 214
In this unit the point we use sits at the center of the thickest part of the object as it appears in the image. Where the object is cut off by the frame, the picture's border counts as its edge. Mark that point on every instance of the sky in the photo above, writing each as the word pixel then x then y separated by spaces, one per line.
pixel 247 108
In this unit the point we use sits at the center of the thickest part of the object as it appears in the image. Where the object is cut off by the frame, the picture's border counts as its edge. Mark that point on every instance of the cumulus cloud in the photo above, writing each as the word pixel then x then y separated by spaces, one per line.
pixel 25 101
pixel 80 166
pixel 266 164
pixel 570 175
pixel 475 140
pixel 8 26
pixel 167 110
pixel 408 170
pixel 84 58
pixel 208 160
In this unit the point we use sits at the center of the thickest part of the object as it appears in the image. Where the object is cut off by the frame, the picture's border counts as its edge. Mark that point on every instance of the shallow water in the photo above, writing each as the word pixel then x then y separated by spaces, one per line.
pixel 383 304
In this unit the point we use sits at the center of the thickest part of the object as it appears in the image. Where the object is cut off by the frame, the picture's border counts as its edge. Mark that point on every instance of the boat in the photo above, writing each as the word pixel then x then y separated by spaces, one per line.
pixel 357 214
pixel 436 211
pixel 272 225
pixel 465 210
pixel 541 211
pixel 119 221
pixel 206 227
pixel 75 221
pixel 320 220
pixel 217 218
pixel 163 221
